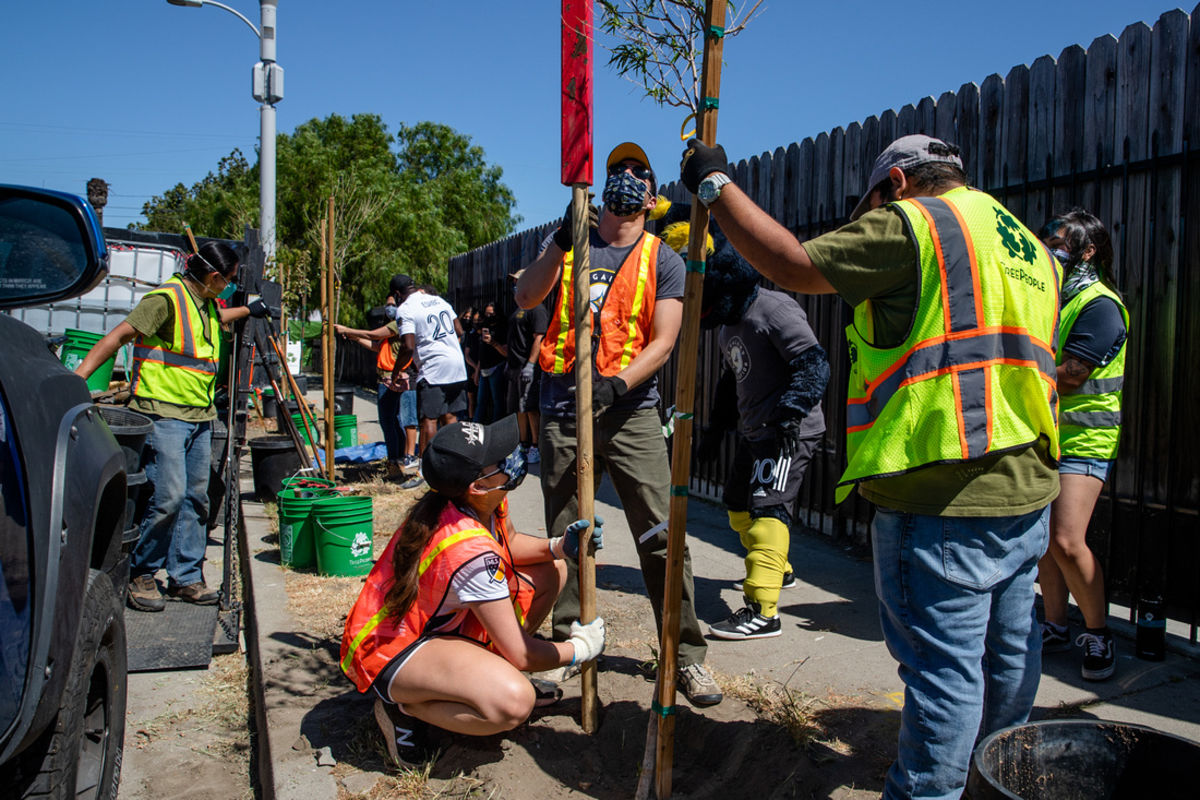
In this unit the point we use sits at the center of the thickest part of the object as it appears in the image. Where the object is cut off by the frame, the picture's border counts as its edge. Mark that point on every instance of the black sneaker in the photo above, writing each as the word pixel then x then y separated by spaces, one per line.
pixel 747 623
pixel 789 582
pixel 407 738
pixel 1055 638
pixel 1099 655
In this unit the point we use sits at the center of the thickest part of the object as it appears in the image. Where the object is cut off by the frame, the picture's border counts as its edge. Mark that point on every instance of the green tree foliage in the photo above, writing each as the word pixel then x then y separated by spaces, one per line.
pixel 659 44
pixel 403 203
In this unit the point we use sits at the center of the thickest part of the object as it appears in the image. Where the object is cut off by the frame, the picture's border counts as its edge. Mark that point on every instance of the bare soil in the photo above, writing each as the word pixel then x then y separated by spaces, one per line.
pixel 763 741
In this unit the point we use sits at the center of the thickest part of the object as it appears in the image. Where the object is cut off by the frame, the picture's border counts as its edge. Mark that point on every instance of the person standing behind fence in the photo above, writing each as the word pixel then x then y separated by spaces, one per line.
pixel 1091 372
pixel 176 331
pixel 526 328
pixel 951 429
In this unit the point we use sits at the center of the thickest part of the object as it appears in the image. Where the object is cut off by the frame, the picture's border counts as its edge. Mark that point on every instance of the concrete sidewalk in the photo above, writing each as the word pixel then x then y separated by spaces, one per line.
pixel 831 642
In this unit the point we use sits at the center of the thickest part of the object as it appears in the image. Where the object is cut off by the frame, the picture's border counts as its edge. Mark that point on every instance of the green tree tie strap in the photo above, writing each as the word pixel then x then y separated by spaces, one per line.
pixel 716 31
pixel 660 710
pixel 679 491
pixel 695 266
pixel 712 102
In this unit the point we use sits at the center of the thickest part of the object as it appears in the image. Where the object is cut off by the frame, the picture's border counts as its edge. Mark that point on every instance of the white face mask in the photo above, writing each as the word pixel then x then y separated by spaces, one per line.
pixel 391 312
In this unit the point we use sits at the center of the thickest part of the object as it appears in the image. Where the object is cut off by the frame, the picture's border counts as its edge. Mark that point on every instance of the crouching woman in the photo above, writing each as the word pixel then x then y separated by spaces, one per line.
pixel 441 630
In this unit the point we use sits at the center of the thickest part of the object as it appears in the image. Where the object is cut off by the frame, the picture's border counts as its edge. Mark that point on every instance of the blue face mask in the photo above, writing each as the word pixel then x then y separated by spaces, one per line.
pixel 391 312
pixel 228 291
pixel 1062 255
pixel 624 194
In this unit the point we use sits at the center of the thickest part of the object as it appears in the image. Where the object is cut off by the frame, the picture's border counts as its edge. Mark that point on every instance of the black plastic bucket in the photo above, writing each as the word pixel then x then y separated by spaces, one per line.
pixel 1077 759
pixel 131 430
pixel 272 458
pixel 137 492
pixel 301 383
pixel 343 400
pixel 270 404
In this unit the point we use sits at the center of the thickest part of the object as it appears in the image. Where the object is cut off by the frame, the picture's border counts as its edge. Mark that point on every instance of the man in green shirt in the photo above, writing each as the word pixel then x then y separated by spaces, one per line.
pixel 950 429
pixel 177 329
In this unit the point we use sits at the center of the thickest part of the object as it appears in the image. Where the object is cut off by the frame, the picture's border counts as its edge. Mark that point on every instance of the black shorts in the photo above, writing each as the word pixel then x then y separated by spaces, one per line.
pixel 761 477
pixel 436 400
pixel 523 396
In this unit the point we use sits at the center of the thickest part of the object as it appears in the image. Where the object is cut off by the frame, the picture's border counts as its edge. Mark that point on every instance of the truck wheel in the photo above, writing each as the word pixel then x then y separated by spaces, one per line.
pixel 81 756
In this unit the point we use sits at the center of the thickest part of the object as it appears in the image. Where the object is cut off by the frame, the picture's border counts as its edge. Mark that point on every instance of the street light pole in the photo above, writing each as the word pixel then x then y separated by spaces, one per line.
pixel 267 89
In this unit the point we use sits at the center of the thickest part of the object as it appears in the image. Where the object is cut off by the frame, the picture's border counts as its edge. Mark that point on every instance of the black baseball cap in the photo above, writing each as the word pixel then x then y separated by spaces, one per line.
pixel 400 283
pixel 461 451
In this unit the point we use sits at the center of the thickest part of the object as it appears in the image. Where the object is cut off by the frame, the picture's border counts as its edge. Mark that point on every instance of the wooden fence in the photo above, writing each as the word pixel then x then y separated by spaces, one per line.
pixel 1113 128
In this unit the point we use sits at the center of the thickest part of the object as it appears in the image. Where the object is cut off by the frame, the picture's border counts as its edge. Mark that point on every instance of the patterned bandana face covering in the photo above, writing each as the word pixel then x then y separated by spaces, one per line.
pixel 1078 278
pixel 624 194
pixel 514 468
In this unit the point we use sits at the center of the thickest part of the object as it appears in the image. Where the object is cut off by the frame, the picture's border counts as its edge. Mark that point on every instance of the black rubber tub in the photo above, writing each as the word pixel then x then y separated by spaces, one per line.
pixel 343 400
pixel 131 430
pixel 1083 760
pixel 272 459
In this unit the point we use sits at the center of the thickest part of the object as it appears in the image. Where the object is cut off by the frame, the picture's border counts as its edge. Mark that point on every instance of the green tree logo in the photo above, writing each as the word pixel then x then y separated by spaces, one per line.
pixel 1015 241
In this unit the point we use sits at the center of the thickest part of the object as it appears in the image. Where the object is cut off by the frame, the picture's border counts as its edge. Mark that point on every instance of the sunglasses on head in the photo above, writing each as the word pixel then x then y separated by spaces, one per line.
pixel 638 171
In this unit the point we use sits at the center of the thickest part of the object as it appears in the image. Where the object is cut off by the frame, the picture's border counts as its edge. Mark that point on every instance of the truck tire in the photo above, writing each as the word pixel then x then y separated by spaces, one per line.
pixel 80 756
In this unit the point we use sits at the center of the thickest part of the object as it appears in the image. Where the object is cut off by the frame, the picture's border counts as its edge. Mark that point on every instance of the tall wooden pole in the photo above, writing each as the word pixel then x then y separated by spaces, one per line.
pixel 577 173
pixel 685 396
pixel 331 319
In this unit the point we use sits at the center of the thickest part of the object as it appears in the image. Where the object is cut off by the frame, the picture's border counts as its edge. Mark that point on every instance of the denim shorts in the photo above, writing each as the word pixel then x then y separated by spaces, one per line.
pixel 408 409
pixel 1096 467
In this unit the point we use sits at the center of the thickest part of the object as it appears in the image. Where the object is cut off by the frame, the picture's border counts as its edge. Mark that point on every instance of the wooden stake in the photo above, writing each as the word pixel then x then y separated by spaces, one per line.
pixel 188 230
pixel 331 317
pixel 584 470
pixel 685 395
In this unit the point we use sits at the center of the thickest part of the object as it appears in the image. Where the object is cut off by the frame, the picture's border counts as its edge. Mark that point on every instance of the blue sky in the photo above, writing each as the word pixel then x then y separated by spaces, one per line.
pixel 146 95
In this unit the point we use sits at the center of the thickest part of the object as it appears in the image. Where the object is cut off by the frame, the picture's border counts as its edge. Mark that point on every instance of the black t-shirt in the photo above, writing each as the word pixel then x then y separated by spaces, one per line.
pixel 1098 332
pixel 523 326
pixel 489 356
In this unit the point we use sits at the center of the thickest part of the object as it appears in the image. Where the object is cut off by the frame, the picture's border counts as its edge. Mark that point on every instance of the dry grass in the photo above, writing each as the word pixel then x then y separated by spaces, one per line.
pixel 790 709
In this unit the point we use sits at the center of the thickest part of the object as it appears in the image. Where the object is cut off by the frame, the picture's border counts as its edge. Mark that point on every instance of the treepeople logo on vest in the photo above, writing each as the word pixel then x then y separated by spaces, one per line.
pixel 1015 241
pixel 739 358
pixel 361 546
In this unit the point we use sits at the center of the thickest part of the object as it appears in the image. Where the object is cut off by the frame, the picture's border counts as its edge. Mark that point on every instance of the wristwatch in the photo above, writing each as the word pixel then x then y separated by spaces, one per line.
pixel 710 188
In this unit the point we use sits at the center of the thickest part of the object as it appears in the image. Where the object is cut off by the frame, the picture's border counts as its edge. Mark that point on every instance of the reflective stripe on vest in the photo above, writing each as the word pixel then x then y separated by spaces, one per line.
pixel 1090 418
pixel 183 370
pixel 976 373
pixel 624 319
pixel 373 636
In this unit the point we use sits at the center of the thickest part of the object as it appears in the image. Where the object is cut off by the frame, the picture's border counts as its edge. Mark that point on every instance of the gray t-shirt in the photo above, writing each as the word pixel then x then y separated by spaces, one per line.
pixel 758 349
pixel 558 391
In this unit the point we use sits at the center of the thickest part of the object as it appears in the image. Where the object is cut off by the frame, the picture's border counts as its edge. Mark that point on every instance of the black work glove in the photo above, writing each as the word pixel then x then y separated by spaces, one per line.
pixel 789 437
pixel 700 161
pixel 605 392
pixel 258 309
pixel 708 446
pixel 564 236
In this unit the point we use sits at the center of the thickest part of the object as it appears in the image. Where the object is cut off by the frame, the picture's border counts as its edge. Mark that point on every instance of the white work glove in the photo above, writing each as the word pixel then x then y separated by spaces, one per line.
pixel 587 639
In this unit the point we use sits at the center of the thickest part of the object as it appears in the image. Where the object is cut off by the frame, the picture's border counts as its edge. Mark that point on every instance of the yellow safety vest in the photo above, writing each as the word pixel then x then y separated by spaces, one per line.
pixel 975 375
pixel 1089 420
pixel 182 371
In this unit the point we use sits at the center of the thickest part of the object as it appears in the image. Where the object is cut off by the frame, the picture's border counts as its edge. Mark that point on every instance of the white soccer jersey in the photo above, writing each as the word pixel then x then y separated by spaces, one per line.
pixel 431 320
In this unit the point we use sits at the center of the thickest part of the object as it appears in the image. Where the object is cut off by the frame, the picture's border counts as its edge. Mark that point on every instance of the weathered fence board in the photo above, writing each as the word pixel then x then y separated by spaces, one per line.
pixel 1114 128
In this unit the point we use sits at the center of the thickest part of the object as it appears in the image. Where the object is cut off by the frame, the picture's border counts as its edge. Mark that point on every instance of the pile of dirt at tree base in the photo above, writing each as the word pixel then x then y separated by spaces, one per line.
pixel 723 751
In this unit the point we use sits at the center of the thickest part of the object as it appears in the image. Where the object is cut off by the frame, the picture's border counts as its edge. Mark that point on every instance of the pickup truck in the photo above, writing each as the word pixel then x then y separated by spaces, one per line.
pixel 63 571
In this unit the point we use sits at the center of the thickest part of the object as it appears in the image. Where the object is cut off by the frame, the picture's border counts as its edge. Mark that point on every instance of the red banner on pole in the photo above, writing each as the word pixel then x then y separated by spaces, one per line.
pixel 576 92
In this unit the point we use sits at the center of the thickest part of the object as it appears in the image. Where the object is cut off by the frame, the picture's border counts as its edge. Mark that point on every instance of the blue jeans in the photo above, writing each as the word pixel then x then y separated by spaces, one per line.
pixel 956 607
pixel 389 420
pixel 408 409
pixel 489 401
pixel 1097 468
pixel 172 530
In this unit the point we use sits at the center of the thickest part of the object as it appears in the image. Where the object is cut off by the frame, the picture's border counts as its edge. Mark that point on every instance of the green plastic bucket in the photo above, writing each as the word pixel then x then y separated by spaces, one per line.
pixel 299 422
pixel 343 527
pixel 305 482
pixel 345 431
pixel 297 544
pixel 76 348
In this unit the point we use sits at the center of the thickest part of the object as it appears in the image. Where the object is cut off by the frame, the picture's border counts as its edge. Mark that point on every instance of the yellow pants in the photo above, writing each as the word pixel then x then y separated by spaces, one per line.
pixel 766 541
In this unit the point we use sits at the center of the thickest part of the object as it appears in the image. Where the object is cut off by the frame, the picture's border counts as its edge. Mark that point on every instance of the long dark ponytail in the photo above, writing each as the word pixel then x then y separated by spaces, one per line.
pixel 415 532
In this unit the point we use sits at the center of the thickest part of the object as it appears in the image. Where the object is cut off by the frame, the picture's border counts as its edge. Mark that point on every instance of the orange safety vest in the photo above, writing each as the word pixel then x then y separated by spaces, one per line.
pixel 625 318
pixel 374 636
